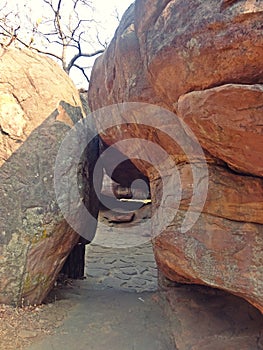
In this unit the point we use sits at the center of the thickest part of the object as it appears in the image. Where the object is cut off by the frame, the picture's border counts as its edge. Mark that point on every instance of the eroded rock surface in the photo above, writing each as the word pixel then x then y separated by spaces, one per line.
pixel 202 60
pixel 203 318
pixel 38 106
pixel 228 123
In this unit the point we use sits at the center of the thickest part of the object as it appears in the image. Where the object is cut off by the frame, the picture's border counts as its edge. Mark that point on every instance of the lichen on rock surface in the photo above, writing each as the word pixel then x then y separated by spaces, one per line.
pixel 39 104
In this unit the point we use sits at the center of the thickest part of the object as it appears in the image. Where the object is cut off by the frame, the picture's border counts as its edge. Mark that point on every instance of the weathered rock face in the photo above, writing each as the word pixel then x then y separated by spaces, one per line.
pixel 195 45
pixel 203 60
pixel 228 123
pixel 38 106
pixel 213 252
pixel 131 76
pixel 212 319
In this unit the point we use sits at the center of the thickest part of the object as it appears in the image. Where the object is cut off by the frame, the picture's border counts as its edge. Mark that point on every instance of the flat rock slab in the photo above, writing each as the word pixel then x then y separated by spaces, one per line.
pixel 178 318
pixel 112 320
pixel 118 217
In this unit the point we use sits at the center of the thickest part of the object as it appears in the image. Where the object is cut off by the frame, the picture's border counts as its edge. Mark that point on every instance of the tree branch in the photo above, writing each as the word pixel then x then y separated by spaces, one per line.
pixel 63 31
pixel 83 71
pixel 80 54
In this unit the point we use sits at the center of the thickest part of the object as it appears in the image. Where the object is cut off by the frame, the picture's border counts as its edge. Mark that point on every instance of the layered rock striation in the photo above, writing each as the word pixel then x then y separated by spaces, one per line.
pixel 203 61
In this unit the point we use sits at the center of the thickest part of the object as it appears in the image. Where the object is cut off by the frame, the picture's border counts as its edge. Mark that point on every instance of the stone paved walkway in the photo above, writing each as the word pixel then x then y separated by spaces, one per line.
pixel 112 320
pixel 121 257
pixel 131 269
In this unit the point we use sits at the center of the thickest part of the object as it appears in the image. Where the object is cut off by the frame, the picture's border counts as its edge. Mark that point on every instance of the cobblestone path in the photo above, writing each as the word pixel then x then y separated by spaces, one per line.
pixel 130 268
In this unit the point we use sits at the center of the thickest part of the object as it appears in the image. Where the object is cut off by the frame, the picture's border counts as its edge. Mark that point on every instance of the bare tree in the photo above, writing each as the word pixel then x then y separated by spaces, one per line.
pixel 117 15
pixel 64 31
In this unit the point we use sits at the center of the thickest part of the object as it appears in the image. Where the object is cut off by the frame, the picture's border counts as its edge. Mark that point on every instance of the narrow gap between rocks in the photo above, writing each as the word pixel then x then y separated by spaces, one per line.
pixel 121 254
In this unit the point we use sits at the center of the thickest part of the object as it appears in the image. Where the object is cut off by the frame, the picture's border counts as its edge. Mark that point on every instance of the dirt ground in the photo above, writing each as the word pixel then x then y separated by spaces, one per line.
pixel 20 327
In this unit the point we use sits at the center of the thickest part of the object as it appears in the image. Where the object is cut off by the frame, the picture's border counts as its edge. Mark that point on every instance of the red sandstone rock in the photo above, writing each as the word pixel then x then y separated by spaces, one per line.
pixel 211 319
pixel 227 120
pixel 232 196
pixel 202 59
pixel 197 44
pixel 175 47
pixel 217 252
pixel 118 75
pixel 38 106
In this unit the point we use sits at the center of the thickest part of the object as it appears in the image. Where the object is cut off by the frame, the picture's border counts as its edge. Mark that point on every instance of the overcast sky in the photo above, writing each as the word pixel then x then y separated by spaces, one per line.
pixel 105 15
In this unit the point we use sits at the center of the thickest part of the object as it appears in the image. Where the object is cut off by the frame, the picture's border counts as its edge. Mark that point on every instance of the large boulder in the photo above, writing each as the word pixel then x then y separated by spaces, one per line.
pixel 203 60
pixel 195 44
pixel 38 106
pixel 109 73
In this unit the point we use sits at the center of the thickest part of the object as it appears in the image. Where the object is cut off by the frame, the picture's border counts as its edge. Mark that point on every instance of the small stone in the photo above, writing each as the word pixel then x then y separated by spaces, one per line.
pixel 26 334
pixel 119 217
